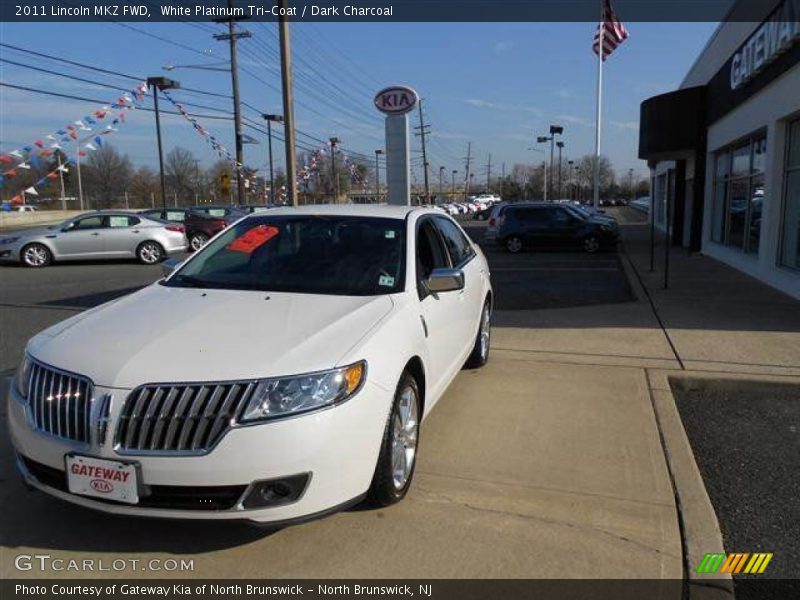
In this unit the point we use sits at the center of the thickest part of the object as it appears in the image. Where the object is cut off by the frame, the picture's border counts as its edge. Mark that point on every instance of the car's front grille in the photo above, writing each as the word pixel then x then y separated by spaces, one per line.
pixel 180 418
pixel 60 403
pixel 176 497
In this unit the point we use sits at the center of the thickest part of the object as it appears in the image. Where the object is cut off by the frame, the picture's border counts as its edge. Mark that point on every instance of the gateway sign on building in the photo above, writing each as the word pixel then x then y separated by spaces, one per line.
pixel 774 37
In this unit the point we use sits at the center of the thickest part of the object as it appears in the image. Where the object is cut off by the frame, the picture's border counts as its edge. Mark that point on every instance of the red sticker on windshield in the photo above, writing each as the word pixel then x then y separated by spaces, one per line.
pixel 253 239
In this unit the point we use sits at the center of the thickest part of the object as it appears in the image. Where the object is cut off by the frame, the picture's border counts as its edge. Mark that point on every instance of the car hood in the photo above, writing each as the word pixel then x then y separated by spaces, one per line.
pixel 33 232
pixel 164 334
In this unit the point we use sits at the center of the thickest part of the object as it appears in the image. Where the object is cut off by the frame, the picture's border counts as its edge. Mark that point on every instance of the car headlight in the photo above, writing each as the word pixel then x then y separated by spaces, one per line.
pixel 8 240
pixel 286 396
pixel 22 376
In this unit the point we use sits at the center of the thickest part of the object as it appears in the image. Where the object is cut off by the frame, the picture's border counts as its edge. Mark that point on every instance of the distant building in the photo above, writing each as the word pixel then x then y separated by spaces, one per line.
pixel 724 149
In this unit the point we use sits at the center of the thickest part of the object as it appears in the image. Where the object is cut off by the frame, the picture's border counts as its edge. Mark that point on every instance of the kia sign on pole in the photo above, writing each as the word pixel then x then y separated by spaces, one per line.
pixel 396 102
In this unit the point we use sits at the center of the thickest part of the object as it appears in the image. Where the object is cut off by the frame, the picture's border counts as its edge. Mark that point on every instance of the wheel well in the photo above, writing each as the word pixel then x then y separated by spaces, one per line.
pixel 150 241
pixel 417 370
pixel 49 249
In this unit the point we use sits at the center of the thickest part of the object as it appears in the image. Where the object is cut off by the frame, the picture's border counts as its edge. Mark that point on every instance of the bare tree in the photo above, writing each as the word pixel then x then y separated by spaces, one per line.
pixel 106 176
pixel 144 188
pixel 181 170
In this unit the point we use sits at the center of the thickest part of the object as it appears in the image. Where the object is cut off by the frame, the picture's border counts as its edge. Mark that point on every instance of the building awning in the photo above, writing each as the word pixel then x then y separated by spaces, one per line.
pixel 672 124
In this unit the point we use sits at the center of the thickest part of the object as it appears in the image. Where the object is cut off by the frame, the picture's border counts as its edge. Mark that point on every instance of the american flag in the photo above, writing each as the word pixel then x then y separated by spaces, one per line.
pixel 614 32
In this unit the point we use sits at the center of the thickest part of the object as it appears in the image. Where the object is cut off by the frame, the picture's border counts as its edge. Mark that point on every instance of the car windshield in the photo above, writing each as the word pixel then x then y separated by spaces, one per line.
pixel 335 255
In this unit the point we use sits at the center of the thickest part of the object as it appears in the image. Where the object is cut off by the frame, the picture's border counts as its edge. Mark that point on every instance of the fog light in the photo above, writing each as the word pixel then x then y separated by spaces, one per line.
pixel 276 492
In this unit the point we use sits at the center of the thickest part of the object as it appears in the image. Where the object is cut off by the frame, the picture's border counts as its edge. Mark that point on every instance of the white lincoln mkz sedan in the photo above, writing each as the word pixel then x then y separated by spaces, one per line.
pixel 280 373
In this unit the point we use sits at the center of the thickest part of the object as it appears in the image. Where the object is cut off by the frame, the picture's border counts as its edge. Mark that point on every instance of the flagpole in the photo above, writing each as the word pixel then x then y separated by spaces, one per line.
pixel 600 52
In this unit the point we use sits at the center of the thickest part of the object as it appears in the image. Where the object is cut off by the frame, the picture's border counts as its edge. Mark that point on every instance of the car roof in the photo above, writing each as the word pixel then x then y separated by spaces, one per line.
pixel 353 210
pixel 109 211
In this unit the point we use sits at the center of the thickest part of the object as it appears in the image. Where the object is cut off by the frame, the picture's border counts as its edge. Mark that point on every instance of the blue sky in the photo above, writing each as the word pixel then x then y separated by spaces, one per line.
pixel 496 85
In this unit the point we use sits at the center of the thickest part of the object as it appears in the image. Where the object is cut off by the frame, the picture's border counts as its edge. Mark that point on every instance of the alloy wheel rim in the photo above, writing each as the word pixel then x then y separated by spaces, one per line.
pixel 198 241
pixel 149 253
pixel 35 256
pixel 486 332
pixel 405 427
pixel 514 244
pixel 591 244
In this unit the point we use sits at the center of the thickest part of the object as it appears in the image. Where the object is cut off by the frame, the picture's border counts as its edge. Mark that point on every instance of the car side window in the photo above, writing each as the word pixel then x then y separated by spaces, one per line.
pixel 88 223
pixel 531 216
pixel 559 216
pixel 458 246
pixel 430 253
pixel 176 215
pixel 118 221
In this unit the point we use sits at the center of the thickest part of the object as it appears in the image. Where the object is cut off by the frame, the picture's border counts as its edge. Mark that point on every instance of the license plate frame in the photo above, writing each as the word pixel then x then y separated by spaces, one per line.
pixel 104 478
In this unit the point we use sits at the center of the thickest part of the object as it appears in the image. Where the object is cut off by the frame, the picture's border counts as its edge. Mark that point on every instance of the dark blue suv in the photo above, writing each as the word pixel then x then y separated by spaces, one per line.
pixel 551 226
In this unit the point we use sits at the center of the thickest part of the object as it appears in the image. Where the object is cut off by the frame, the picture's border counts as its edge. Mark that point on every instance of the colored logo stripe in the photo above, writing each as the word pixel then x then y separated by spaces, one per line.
pixel 734 563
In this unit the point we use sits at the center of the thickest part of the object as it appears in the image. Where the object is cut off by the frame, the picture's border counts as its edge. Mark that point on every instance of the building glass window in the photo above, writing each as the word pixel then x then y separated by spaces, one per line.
pixel 790 238
pixel 739 194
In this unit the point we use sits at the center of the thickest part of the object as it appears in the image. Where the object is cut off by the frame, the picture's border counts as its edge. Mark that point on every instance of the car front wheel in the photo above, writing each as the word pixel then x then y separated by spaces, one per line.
pixel 395 468
pixel 480 350
pixel 36 255
pixel 591 244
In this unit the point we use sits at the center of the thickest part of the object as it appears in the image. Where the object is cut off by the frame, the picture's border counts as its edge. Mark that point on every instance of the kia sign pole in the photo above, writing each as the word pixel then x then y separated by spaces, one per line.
pixel 396 102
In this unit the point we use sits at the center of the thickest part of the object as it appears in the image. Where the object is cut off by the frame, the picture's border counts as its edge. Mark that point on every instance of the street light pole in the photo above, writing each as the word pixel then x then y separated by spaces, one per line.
pixel 453 195
pixel 288 102
pixel 334 141
pixel 560 145
pixel 377 176
pixel 441 191
pixel 554 131
pixel 161 83
pixel 269 119
pixel 542 139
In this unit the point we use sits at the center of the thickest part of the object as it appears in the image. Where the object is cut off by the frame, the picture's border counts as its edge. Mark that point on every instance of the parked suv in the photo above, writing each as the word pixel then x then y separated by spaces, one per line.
pixel 545 225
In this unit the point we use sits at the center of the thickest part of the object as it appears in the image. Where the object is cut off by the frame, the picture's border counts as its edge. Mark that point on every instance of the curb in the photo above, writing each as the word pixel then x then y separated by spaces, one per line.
pixel 699 526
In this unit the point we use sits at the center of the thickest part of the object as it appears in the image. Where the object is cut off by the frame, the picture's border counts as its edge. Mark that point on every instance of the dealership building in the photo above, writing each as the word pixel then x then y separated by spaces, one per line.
pixel 724 149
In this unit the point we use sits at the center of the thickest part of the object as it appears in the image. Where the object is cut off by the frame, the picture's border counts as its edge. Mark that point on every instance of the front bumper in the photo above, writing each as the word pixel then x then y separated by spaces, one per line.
pixel 337 447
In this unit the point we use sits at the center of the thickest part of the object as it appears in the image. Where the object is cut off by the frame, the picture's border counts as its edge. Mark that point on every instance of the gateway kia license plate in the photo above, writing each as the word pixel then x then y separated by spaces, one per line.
pixel 102 478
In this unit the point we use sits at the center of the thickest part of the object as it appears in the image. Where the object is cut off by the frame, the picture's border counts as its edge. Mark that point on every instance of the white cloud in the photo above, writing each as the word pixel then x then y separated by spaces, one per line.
pixel 501 47
pixel 481 103
pixel 575 120
pixel 629 125
pixel 478 103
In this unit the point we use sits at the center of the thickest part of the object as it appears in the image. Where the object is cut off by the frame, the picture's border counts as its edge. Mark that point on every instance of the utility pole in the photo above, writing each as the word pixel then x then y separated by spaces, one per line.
pixel 489 173
pixel 61 178
pixel 503 181
pixel 423 131
pixel 441 192
pixel 334 174
pixel 453 194
pixel 466 173
pixel 288 102
pixel 232 36
pixel 560 145
pixel 78 169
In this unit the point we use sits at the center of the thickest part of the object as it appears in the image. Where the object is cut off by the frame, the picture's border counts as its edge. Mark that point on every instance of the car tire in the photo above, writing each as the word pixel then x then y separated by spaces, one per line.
pixel 591 244
pixel 513 244
pixel 393 473
pixel 197 240
pixel 480 350
pixel 36 255
pixel 149 253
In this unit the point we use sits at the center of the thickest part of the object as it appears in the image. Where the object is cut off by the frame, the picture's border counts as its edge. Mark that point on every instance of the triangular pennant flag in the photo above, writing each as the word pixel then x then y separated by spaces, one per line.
pixel 52 175
pixel 11 173
pixel 61 132
pixel 98 140
pixel 6 159
pixel 32 191
pixel 46 152
pixel 16 153
pixel 90 147
pixel 73 135
pixel 39 143
pixel 50 136
pixel 24 166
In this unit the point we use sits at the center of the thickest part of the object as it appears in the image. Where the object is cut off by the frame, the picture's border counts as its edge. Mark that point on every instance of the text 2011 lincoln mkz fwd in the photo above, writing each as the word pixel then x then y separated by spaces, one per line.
pixel 282 372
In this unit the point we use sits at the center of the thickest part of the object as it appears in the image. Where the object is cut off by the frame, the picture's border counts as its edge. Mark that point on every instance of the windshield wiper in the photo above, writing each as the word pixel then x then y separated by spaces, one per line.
pixel 191 281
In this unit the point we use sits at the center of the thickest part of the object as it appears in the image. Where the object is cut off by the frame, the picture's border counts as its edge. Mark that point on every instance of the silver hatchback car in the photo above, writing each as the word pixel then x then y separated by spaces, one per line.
pixel 97 235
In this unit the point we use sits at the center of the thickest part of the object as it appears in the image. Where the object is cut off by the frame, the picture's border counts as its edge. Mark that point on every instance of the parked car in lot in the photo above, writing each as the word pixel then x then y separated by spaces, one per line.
pixel 251 208
pixel 549 225
pixel 97 235
pixel 483 214
pixel 201 222
pixel 281 372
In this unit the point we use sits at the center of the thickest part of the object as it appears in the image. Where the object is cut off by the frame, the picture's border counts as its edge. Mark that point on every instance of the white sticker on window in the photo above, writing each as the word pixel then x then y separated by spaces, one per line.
pixel 118 221
pixel 390 234
pixel 386 280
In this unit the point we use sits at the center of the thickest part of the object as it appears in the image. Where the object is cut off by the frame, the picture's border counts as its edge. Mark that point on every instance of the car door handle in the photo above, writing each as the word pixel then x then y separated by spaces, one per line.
pixel 95 233
pixel 135 231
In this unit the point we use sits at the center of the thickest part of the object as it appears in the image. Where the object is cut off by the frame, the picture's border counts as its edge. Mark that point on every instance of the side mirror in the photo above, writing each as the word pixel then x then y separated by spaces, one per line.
pixel 68 227
pixel 445 280
pixel 169 265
